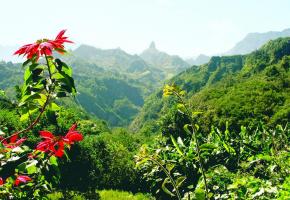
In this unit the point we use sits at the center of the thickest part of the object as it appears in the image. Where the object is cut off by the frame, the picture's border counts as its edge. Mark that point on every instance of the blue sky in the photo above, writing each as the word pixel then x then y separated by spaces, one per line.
pixel 183 27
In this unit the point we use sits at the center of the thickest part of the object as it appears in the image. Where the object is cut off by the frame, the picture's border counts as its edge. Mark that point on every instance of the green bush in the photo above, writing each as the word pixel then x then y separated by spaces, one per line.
pixel 104 161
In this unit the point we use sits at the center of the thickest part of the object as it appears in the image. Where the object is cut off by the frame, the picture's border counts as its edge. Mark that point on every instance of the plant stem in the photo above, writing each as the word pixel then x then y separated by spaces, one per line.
pixel 168 175
pixel 41 111
pixel 32 124
pixel 196 144
pixel 48 66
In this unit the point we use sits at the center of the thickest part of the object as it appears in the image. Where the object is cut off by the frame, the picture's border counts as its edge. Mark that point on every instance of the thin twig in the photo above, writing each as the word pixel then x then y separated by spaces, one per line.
pixel 168 175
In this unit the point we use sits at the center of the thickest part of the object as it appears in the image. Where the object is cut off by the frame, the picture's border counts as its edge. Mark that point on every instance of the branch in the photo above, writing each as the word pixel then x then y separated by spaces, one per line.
pixel 32 124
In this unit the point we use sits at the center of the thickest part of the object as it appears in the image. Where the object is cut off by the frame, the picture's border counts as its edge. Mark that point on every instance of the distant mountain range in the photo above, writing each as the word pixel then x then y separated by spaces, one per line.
pixel 250 43
pixel 152 65
pixel 254 41
pixel 199 60
pixel 171 65
pixel 153 61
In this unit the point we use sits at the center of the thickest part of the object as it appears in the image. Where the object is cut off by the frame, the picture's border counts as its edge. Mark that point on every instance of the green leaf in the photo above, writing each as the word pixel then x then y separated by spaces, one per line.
pixel 26 62
pixel 170 167
pixel 186 128
pixel 31 168
pixel 2 93
pixel 176 145
pixel 199 194
pixel 42 99
pixel 141 162
pixel 181 107
pixel 207 146
pixel 53 107
pixel 164 188
pixel 179 181
pixel 25 116
pixel 194 114
pixel 27 98
pixel 229 149
pixel 53 161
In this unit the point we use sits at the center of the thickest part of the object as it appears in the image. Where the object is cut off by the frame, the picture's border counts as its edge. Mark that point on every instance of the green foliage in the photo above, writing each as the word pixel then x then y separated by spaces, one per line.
pixel 252 163
pixel 240 90
pixel 107 95
pixel 119 195
pixel 101 195
pixel 104 161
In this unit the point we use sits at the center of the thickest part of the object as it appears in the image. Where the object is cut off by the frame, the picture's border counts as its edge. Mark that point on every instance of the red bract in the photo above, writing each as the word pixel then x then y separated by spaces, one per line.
pixel 73 135
pixel 51 143
pixel 13 142
pixel 55 144
pixel 21 179
pixel 1 181
pixel 44 47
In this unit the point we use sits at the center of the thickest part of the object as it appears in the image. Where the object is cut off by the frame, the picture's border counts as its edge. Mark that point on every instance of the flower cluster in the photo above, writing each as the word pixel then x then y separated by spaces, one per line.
pixel 44 47
pixel 55 144
pixel 19 179
pixel 13 141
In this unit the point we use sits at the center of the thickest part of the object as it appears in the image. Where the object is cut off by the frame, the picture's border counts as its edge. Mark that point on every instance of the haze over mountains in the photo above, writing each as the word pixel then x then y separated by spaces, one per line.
pixel 114 84
pixel 152 64
pixel 250 43
pixel 152 58
pixel 254 41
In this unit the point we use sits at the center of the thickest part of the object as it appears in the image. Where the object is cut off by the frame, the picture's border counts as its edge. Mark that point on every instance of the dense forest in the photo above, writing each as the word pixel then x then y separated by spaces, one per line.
pixel 153 127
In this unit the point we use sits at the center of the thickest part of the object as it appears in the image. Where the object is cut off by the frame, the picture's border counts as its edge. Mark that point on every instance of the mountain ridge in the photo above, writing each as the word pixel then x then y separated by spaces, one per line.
pixel 241 89
pixel 253 41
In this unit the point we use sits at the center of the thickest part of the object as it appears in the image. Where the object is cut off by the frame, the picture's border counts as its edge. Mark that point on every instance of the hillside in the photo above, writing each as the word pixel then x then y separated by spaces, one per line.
pixel 254 41
pixel 242 90
pixel 111 83
pixel 107 96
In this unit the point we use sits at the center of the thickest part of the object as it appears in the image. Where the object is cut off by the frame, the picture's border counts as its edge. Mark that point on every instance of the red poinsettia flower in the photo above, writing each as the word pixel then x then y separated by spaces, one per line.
pixel 51 143
pixel 73 135
pixel 13 142
pixel 44 47
pixel 21 179
pixel 55 144
pixel 1 181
